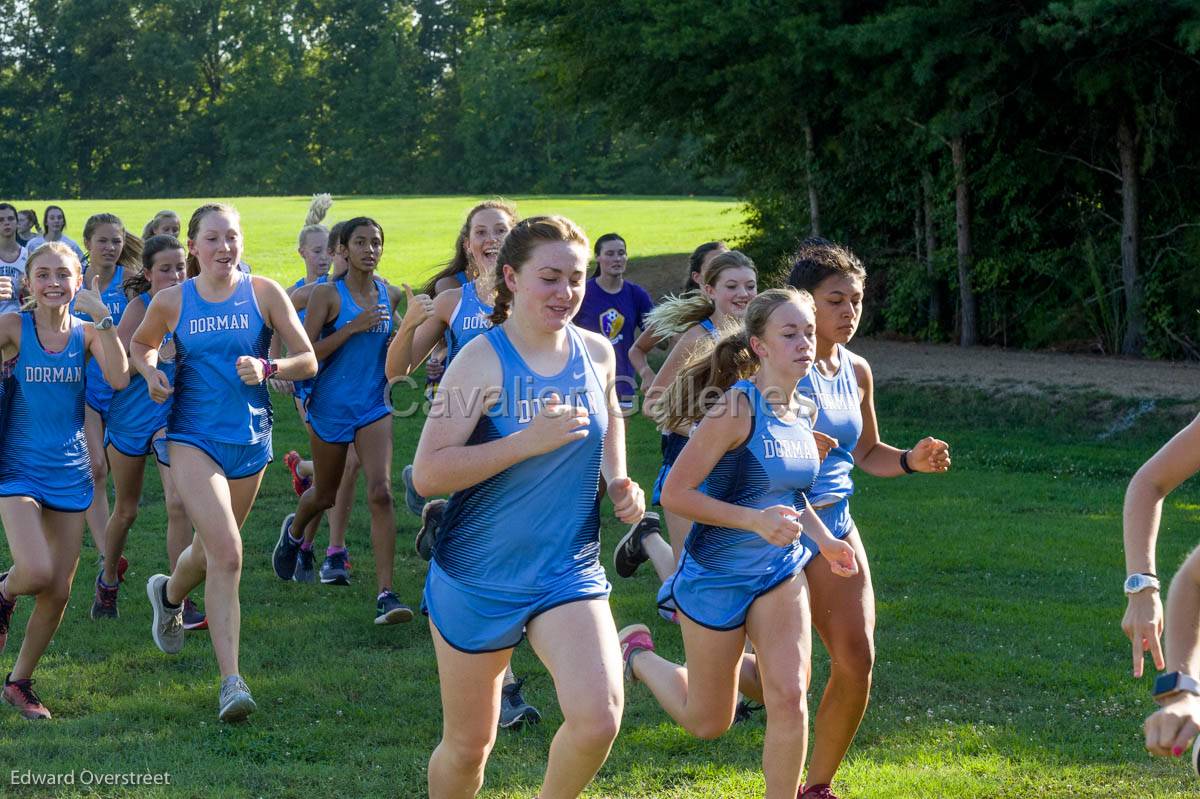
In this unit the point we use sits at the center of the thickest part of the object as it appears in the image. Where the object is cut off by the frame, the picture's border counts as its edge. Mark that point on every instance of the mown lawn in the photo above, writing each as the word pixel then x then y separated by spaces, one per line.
pixel 1002 671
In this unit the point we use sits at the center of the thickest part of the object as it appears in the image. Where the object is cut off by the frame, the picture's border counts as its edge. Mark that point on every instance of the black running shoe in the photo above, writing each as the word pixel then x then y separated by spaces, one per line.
pixel 390 610
pixel 335 569
pixel 745 710
pixel 286 550
pixel 431 520
pixel 514 710
pixel 630 553
pixel 306 571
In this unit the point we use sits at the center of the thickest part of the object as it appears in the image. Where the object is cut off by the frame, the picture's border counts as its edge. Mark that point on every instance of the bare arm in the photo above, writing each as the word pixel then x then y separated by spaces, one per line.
pixel 280 314
pixel 883 460
pixel 135 312
pixel 1171 729
pixel 444 463
pixel 409 353
pixel 418 309
pixel 638 353
pixel 629 501
pixel 104 345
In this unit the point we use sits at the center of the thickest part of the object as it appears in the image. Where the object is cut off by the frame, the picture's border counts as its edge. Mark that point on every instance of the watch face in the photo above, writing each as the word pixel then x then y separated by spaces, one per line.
pixel 1166 683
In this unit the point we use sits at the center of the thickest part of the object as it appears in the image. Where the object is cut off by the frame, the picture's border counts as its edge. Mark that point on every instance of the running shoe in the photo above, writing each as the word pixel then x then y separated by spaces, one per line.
pixel 390 610
pixel 634 638
pixel 193 617
pixel 286 549
pixel 821 791
pixel 431 520
pixel 167 624
pixel 104 606
pixel 668 610
pixel 306 571
pixel 7 606
pixel 745 710
pixel 299 484
pixel 514 710
pixel 234 701
pixel 630 553
pixel 412 499
pixel 19 694
pixel 335 569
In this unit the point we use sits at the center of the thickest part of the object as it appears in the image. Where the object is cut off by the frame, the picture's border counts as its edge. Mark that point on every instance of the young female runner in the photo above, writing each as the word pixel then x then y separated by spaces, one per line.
pixel 842 386
pixel 45 478
pixel 54 226
pixel 351 320
pixel 135 420
pixel 543 430
pixel 742 575
pixel 113 255
pixel 219 431
pixel 615 308
pixel 164 223
pixel 728 284
pixel 27 226
pixel 12 261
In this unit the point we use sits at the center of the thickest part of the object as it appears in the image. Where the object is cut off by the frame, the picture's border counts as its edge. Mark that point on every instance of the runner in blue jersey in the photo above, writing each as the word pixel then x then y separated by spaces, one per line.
pixel 842 385
pixel 164 223
pixel 113 254
pixel 45 476
pixel 742 479
pixel 134 421
pixel 219 430
pixel 526 417
pixel 728 284
pixel 350 321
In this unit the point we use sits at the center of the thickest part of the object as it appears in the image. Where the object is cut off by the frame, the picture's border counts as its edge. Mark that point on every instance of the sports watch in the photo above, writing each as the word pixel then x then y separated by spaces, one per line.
pixel 105 323
pixel 1136 583
pixel 1173 683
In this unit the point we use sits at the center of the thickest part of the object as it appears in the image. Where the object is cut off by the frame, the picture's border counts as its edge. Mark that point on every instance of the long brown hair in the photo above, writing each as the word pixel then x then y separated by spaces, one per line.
pixel 711 370
pixel 518 248
pixel 461 262
pixel 193 266
pixel 131 249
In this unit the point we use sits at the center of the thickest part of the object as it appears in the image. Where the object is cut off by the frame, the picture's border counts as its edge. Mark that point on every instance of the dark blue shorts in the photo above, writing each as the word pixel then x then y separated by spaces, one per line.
pixel 65 498
pixel 672 445
pixel 130 445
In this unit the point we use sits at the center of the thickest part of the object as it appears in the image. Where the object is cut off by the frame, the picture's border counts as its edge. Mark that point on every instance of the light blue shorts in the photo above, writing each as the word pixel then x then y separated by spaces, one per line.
pixel 66 497
pixel 130 445
pixel 475 621
pixel 720 600
pixel 672 445
pixel 837 518
pixel 342 431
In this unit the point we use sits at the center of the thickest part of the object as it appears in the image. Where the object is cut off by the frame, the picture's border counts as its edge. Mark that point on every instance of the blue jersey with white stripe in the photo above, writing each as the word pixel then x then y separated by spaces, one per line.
pixel 304 282
pixel 132 412
pixel 537 521
pixel 471 317
pixel 43 439
pixel 211 401
pixel 775 465
pixel 462 278
pixel 839 414
pixel 115 300
pixel 351 384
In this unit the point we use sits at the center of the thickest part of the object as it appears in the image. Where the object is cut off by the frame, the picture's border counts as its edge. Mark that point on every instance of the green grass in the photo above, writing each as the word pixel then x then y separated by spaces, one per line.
pixel 420 231
pixel 1002 671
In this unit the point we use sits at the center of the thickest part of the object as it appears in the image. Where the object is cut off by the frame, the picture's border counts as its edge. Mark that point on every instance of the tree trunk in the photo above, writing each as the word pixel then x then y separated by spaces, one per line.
pixel 1134 322
pixel 810 174
pixel 962 215
pixel 935 287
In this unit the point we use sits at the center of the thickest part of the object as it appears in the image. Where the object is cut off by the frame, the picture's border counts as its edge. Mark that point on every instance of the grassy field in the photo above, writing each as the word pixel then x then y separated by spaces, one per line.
pixel 420 231
pixel 1002 671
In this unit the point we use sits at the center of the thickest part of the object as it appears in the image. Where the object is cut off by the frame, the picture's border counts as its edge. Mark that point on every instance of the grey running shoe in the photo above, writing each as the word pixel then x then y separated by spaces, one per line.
pixel 630 553
pixel 412 499
pixel 235 700
pixel 306 571
pixel 514 710
pixel 335 569
pixel 167 624
pixel 431 521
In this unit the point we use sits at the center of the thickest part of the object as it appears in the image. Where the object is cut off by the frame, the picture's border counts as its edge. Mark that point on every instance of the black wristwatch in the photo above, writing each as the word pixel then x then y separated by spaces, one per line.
pixel 1169 685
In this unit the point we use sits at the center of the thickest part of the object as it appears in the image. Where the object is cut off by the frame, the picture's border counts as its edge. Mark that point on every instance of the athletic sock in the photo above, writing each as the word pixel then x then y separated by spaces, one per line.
pixel 166 602
pixel 329 551
pixel 306 546
pixel 100 580
pixel 294 540
pixel 383 593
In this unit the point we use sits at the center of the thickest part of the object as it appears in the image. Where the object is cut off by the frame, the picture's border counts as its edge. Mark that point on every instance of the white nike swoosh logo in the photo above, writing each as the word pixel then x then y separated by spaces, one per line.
pixel 240 302
pixel 579 376
pixel 73 354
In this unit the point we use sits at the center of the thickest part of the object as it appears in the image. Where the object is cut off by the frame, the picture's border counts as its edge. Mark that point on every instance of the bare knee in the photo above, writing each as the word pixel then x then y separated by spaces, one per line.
pixel 787 703
pixel 853 661
pixel 176 512
pixel 38 577
pixel 379 494
pixel 226 558
pixel 595 727
pixel 710 727
pixel 99 469
pixel 468 753
pixel 125 515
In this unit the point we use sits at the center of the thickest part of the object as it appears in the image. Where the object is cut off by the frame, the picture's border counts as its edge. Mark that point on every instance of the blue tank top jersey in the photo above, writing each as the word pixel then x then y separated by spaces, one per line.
pixel 708 325
pixel 132 412
pixel 113 297
pixel 351 383
pixel 775 465
pixel 300 284
pixel 537 521
pixel 471 317
pixel 462 278
pixel 211 401
pixel 43 436
pixel 839 414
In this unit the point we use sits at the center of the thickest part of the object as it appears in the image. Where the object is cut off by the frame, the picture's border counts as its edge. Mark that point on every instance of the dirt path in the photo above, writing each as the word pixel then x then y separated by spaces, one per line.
pixel 1034 372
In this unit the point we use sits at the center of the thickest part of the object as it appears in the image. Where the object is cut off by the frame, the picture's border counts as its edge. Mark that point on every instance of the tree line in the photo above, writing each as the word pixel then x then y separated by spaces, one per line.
pixel 148 98
pixel 1016 173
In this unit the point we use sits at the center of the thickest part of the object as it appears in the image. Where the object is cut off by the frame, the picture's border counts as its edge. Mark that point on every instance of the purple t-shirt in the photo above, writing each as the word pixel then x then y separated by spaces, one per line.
pixel 617 316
